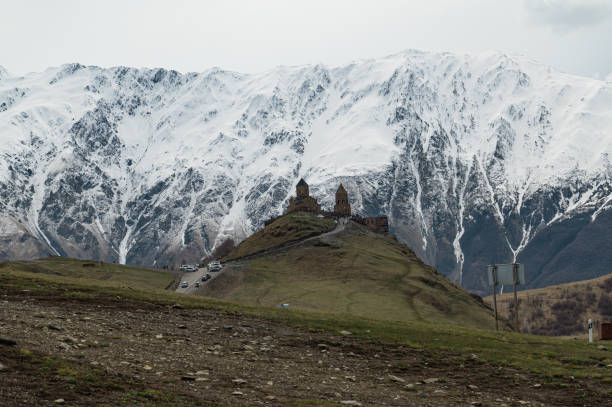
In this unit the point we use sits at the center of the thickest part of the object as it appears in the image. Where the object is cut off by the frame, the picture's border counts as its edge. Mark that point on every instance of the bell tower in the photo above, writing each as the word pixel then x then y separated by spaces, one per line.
pixel 342 206
pixel 301 189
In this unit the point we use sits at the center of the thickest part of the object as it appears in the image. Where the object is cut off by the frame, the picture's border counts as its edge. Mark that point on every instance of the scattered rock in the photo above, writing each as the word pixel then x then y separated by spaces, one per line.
pixel 228 327
pixel 350 378
pixel 270 398
pixel 237 393
pixel 346 333
pixel 431 380
pixel 350 403
pixel 397 379
pixel 7 342
pixel 60 401
pixel 69 339
pixel 537 385
pixel 270 383
pixel 601 347
pixel 472 387
pixel 202 372
pixel 439 391
pixel 474 356
pixel 3 367
pixel 188 378
pixel 202 379
pixel 410 387
pixel 267 338
pixel 239 381
pixel 159 336
pixel 64 346
pixel 177 306
pixel 476 403
pixel 182 327
pixel 147 367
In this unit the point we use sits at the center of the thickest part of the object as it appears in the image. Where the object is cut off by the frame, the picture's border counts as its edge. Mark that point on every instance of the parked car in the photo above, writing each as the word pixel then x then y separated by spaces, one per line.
pixel 206 277
pixel 185 284
pixel 214 266
pixel 197 284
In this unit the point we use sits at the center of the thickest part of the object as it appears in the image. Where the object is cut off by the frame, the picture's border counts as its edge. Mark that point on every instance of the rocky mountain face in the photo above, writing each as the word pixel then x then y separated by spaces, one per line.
pixel 475 159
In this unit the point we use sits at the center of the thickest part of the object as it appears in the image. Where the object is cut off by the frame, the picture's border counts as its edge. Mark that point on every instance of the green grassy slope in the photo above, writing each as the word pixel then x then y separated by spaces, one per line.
pixel 557 359
pixel 88 270
pixel 286 229
pixel 353 272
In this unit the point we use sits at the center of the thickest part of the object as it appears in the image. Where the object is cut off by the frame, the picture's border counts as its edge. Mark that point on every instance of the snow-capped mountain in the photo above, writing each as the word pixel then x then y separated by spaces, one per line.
pixel 475 159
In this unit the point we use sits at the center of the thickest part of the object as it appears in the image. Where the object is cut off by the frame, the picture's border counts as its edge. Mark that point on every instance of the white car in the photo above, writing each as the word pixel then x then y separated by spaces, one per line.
pixel 185 284
pixel 214 266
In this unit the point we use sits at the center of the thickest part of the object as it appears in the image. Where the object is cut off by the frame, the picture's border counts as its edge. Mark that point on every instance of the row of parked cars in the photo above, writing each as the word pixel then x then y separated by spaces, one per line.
pixel 189 267
pixel 212 267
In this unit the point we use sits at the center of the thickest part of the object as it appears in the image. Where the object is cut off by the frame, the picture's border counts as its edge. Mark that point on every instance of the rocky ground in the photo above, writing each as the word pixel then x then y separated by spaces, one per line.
pixel 83 351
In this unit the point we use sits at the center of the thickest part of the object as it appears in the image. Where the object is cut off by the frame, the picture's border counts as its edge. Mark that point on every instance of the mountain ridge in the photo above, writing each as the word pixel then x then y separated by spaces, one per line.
pixel 475 159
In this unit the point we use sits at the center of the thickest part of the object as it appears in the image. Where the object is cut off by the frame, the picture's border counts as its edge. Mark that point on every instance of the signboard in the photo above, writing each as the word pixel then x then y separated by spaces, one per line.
pixel 504 274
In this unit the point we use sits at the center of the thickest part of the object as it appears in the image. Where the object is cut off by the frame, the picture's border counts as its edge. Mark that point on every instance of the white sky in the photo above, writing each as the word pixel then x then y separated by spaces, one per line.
pixel 252 36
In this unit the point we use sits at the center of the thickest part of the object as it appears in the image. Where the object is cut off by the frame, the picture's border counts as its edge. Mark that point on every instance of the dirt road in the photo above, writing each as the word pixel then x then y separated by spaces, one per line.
pixel 193 277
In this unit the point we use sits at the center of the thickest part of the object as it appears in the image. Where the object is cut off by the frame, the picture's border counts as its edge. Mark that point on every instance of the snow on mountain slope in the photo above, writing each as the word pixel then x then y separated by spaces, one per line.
pixel 475 159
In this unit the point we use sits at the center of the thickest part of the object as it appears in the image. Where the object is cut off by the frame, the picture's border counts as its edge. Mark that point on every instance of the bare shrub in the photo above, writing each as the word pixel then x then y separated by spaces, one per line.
pixel 568 316
pixel 606 284
pixel 605 305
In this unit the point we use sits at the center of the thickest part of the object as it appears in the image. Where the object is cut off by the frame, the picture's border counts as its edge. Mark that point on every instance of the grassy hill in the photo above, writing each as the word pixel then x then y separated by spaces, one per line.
pixel 555 358
pixel 352 272
pixel 286 229
pixel 94 272
pixel 560 310
pixel 125 323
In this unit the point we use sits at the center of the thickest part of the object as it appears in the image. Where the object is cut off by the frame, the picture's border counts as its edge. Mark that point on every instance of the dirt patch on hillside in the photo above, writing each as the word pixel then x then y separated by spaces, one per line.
pixel 111 351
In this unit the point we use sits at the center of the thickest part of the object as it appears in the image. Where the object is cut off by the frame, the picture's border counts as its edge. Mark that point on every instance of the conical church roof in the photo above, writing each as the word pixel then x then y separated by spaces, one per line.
pixel 341 189
pixel 302 183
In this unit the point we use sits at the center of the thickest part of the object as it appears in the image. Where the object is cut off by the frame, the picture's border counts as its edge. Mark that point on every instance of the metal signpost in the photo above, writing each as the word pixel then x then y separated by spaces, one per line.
pixel 506 274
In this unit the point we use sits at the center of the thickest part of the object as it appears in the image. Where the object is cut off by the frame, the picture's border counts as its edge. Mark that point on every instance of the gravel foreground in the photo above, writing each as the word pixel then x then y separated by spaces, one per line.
pixel 109 352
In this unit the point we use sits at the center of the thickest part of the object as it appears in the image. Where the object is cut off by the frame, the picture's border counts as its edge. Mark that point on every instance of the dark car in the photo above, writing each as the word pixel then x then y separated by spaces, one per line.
pixel 206 277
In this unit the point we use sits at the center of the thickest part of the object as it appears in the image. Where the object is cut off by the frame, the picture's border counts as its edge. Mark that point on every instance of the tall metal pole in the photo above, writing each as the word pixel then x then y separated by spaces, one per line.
pixel 494 271
pixel 516 306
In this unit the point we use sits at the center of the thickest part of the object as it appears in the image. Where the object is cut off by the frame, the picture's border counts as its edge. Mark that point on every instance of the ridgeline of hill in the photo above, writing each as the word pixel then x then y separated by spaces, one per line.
pixel 342 268
pixel 560 310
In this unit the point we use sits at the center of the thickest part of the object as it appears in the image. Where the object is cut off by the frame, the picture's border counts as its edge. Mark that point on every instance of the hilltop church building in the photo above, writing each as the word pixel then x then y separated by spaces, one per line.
pixel 303 202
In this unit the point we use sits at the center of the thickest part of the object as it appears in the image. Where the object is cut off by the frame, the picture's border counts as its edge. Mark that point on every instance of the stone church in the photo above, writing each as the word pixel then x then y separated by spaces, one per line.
pixel 303 202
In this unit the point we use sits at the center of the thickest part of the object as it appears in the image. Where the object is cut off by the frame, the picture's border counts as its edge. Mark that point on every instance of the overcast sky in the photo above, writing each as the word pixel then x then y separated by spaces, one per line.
pixel 251 36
